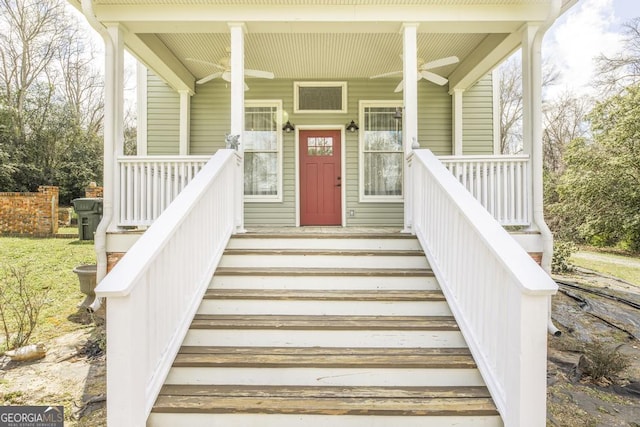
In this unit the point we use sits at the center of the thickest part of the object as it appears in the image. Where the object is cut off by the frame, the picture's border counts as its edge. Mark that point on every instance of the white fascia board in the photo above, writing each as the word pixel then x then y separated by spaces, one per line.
pixel 490 53
pixel 150 50
pixel 197 18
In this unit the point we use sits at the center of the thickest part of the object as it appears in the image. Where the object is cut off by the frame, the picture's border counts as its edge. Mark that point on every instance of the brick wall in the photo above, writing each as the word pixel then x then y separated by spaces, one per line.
pixel 30 214
pixel 93 191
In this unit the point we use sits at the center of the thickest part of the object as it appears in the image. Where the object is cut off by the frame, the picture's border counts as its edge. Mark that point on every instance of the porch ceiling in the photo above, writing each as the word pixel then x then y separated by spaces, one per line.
pixel 321 39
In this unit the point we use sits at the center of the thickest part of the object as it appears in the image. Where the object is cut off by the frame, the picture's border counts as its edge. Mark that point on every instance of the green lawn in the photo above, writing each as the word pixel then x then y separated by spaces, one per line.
pixel 50 263
pixel 624 267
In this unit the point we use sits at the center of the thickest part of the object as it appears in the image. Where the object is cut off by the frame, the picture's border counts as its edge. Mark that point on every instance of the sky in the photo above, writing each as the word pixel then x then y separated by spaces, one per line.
pixel 589 28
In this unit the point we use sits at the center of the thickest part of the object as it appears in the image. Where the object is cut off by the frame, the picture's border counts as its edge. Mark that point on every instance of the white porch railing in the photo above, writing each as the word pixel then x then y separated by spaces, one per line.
pixel 498 294
pixel 149 184
pixel 499 183
pixel 154 291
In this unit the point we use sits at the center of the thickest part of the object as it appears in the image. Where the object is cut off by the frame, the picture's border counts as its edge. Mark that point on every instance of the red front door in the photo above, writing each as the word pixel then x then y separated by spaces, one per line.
pixel 320 180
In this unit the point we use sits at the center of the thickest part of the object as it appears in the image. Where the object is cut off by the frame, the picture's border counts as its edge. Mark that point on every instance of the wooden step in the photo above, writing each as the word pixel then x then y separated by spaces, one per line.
pixel 292 357
pixel 324 302
pixel 325 241
pixel 380 401
pixel 324 258
pixel 325 295
pixel 343 272
pixel 317 323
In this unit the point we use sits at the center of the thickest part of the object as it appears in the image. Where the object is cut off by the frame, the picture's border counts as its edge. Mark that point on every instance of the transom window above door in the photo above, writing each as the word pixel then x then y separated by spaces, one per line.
pixel 263 151
pixel 381 152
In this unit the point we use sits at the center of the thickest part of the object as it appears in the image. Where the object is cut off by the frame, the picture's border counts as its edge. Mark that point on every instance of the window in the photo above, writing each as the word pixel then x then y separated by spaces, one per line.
pixel 381 152
pixel 320 97
pixel 263 151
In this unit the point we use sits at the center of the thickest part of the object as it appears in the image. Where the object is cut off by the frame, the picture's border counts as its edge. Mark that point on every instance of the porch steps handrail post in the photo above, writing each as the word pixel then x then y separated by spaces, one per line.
pixel 498 294
pixel 154 291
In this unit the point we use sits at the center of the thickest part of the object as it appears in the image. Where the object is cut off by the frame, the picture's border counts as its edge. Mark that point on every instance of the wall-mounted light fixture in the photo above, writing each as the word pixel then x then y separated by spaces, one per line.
pixel 288 127
pixel 398 113
pixel 352 127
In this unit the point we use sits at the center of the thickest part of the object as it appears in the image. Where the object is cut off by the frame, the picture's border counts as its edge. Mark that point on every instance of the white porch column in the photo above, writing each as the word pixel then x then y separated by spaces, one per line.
pixel 114 122
pixel 185 121
pixel 529 105
pixel 457 121
pixel 410 112
pixel 237 112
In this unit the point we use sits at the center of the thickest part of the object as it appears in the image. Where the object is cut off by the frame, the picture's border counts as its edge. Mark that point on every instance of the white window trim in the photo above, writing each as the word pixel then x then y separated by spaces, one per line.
pixel 363 198
pixel 297 85
pixel 278 104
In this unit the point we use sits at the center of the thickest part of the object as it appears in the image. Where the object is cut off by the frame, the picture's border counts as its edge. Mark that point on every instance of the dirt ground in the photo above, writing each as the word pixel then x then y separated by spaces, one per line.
pixel 73 372
pixel 573 397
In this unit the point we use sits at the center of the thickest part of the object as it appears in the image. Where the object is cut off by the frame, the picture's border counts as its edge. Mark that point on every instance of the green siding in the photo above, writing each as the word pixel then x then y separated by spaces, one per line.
pixel 163 117
pixel 477 118
pixel 210 121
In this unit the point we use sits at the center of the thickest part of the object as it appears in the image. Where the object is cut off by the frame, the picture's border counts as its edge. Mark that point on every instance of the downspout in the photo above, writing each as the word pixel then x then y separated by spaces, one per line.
pixel 109 137
pixel 538 207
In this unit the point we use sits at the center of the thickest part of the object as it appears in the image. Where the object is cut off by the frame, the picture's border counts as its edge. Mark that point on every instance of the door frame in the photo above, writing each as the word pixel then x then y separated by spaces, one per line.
pixel 343 151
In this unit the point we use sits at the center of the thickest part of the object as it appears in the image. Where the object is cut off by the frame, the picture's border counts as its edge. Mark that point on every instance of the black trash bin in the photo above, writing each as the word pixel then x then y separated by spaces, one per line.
pixel 89 212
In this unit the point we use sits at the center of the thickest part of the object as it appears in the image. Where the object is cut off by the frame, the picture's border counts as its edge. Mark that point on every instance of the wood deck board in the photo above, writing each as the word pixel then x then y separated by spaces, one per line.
pixel 324 322
pixel 322 252
pixel 325 391
pixel 325 295
pixel 365 351
pixel 338 405
pixel 388 360
pixel 291 271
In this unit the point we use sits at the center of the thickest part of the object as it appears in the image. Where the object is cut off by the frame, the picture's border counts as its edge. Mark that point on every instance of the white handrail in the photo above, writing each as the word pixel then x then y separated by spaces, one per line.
pixel 499 183
pixel 148 184
pixel 154 291
pixel 498 294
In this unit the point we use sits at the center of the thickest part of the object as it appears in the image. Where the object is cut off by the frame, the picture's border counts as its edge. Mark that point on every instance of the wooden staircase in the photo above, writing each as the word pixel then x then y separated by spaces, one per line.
pixel 324 330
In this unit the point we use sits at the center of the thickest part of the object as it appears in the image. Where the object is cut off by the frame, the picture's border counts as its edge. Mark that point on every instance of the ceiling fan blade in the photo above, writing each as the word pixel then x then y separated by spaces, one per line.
pixel 259 74
pixel 432 77
pixel 440 62
pixel 209 77
pixel 226 76
pixel 399 87
pixel 200 61
pixel 392 73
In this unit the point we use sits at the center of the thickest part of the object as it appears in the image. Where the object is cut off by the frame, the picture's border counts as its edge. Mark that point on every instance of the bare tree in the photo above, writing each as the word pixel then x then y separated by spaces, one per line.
pixel 30 31
pixel 82 85
pixel 621 69
pixel 510 102
pixel 564 120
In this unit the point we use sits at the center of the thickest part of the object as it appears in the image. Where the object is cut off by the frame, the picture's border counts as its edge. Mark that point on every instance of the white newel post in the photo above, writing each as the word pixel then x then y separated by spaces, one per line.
pixel 457 121
pixel 185 121
pixel 237 113
pixel 410 113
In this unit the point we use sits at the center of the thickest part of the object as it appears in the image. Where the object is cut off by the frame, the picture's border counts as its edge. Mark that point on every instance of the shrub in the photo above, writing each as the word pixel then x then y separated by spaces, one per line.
pixel 562 251
pixel 20 306
pixel 604 361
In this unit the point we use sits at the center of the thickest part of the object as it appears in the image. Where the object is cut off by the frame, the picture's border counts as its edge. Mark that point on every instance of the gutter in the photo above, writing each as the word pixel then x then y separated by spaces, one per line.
pixel 538 209
pixel 109 149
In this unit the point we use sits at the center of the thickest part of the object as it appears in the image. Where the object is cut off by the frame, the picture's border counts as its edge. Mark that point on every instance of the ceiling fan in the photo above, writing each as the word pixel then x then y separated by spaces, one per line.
pixel 423 71
pixel 224 71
